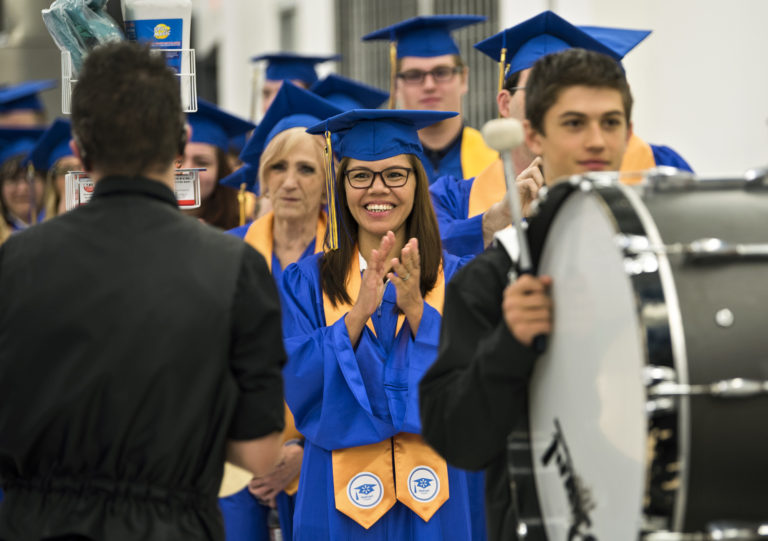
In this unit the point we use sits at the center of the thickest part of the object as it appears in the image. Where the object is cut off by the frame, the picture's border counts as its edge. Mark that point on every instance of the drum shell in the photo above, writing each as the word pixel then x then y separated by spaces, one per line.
pixel 727 477
pixel 719 449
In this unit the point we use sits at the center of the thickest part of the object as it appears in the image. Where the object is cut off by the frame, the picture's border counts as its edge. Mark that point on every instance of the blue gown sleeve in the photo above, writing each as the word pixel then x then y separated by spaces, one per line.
pixel 461 236
pixel 328 387
pixel 664 155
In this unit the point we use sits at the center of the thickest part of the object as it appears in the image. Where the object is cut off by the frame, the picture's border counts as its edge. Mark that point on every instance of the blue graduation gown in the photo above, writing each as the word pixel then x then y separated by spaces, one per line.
pixel 463 235
pixel 466 157
pixel 240 230
pixel 342 396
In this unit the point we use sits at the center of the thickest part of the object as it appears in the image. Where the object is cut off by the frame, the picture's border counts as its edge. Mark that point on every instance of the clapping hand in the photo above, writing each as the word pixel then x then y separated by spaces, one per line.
pixel 407 280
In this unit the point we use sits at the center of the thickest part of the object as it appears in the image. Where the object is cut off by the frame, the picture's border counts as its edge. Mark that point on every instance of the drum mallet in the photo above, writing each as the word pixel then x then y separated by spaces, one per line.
pixel 503 135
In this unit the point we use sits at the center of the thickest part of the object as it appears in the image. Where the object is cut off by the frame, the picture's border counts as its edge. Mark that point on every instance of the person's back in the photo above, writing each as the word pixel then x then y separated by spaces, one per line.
pixel 134 342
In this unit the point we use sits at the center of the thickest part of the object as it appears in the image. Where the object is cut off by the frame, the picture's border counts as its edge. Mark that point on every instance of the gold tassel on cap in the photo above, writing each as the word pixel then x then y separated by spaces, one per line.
pixel 502 67
pixel 392 72
pixel 333 224
pixel 241 202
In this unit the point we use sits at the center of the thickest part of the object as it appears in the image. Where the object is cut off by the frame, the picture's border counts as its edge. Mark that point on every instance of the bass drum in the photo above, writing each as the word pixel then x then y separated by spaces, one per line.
pixel 646 409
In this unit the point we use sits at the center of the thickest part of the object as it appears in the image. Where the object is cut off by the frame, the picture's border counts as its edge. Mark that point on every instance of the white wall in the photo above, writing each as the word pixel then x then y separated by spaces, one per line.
pixel 700 80
pixel 250 27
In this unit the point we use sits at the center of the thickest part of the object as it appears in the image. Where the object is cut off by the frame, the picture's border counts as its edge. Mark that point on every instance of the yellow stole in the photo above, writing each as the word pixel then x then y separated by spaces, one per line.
pixel 488 188
pixel 369 479
pixel 260 236
pixel 475 154
pixel 638 157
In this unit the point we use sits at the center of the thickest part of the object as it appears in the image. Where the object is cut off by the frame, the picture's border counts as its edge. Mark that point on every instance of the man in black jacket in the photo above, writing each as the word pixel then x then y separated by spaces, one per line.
pixel 138 347
pixel 577 114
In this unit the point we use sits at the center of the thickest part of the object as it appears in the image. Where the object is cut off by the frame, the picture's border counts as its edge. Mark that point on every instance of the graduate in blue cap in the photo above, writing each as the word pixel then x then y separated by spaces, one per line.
pixel 294 108
pixel 20 104
pixel 471 212
pixel 52 156
pixel 288 163
pixel 297 68
pixel 349 94
pixel 361 324
pixel 212 131
pixel 427 72
pixel 23 192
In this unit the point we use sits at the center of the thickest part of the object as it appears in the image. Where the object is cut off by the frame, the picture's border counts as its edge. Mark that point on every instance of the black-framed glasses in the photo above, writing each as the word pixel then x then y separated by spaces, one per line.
pixel 441 74
pixel 362 178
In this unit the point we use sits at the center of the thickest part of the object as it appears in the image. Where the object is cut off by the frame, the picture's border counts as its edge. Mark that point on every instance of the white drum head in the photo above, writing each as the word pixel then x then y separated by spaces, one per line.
pixel 589 383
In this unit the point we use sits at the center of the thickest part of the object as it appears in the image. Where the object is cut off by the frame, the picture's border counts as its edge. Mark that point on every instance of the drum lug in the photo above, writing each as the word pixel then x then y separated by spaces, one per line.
pixel 653 376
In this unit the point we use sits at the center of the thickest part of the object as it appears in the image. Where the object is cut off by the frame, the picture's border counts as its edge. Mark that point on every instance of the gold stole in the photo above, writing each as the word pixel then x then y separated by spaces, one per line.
pixel 260 236
pixel 638 157
pixel 475 154
pixel 488 188
pixel 369 479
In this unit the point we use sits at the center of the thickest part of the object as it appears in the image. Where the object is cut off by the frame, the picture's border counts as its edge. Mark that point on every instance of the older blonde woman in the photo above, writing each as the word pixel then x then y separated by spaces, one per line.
pixel 292 178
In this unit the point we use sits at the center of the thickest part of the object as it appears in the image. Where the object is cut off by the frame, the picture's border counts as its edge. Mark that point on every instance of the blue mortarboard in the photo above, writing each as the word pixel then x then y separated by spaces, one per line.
pixel 375 134
pixel 23 96
pixel 621 40
pixel 370 135
pixel 520 46
pixel 15 141
pixel 216 127
pixel 291 66
pixel 53 145
pixel 293 107
pixel 245 174
pixel 348 94
pixel 425 36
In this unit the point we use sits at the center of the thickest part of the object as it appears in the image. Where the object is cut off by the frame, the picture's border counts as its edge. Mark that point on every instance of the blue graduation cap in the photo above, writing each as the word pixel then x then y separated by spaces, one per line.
pixel 621 40
pixel 375 134
pixel 245 174
pixel 519 47
pixel 291 66
pixel 18 141
pixel 216 127
pixel 24 95
pixel 293 107
pixel 369 135
pixel 349 94
pixel 52 145
pixel 425 36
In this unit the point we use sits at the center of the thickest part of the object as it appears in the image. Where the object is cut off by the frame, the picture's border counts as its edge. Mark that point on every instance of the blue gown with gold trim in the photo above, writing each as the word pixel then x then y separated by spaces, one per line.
pixel 343 396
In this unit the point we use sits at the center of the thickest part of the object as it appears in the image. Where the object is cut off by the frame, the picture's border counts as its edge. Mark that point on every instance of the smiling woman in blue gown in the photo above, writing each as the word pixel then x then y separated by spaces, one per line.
pixel 361 327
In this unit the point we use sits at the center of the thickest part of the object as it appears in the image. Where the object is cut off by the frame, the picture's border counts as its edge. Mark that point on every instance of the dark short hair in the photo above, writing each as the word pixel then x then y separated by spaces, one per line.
pixel 573 67
pixel 126 110
pixel 421 224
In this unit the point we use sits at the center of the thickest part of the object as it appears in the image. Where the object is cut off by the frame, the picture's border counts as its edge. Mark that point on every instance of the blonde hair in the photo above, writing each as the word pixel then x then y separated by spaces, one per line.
pixel 282 144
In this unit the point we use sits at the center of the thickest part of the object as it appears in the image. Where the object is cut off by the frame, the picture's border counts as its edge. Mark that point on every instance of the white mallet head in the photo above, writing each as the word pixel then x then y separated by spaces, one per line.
pixel 503 134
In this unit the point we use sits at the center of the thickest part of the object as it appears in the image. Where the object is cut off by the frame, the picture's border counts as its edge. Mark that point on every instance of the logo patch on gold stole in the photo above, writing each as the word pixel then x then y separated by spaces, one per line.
pixel 365 490
pixel 423 483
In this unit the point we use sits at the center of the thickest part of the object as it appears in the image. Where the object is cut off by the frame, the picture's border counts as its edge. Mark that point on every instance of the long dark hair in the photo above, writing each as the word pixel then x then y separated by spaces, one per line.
pixel 420 224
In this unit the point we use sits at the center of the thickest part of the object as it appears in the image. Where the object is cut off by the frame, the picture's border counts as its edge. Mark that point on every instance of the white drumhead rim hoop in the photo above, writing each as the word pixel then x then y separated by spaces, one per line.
pixel 679 352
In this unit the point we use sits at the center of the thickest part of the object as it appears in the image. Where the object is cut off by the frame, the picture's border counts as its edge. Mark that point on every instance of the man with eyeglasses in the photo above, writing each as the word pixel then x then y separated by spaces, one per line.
pixel 471 211
pixel 427 73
